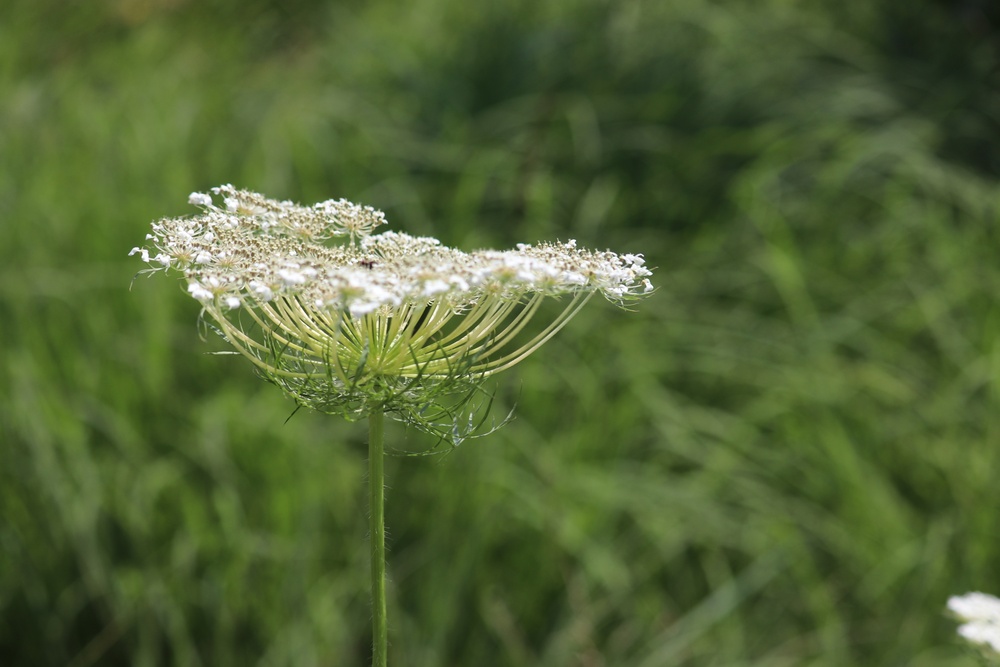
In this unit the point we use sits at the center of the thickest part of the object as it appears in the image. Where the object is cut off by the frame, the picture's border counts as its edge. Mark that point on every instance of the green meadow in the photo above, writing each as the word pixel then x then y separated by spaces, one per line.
pixel 786 456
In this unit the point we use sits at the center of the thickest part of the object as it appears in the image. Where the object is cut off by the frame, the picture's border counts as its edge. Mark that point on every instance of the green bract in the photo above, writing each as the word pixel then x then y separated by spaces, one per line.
pixel 345 320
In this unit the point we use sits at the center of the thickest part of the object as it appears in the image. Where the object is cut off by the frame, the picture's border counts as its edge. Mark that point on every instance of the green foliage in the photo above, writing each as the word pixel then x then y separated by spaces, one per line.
pixel 785 457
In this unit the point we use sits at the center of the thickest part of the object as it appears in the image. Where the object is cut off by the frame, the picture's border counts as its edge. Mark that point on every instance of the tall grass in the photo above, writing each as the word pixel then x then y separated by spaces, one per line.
pixel 786 457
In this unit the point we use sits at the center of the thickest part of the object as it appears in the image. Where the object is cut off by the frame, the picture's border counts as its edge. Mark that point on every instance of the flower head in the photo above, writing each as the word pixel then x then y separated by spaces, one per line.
pixel 343 319
pixel 980 614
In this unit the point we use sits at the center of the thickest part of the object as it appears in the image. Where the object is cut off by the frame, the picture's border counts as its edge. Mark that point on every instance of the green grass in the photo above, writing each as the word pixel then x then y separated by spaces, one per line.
pixel 786 456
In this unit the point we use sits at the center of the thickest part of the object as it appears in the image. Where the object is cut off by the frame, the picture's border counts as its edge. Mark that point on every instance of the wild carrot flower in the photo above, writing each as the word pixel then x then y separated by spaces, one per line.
pixel 344 319
pixel 360 324
pixel 980 614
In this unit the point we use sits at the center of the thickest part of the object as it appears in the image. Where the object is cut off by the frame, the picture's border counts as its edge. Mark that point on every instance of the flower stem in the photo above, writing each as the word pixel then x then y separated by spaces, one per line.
pixel 376 485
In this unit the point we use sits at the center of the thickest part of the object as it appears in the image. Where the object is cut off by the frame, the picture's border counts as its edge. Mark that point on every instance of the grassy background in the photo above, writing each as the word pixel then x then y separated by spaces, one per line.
pixel 787 456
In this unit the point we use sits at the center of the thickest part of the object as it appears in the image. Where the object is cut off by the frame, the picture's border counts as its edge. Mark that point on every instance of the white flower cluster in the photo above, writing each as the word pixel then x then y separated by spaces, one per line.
pixel 980 614
pixel 253 249
pixel 388 320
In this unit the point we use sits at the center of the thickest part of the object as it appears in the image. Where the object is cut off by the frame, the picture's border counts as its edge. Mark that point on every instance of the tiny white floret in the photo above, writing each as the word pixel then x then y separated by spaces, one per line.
pixel 986 634
pixel 975 606
pixel 142 253
pixel 199 199
pixel 981 613
pixel 261 291
pixel 634 260
pixel 198 291
pixel 291 277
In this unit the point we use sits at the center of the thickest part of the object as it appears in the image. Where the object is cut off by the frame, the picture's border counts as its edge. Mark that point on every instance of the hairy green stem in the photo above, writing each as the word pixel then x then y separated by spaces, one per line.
pixel 376 487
